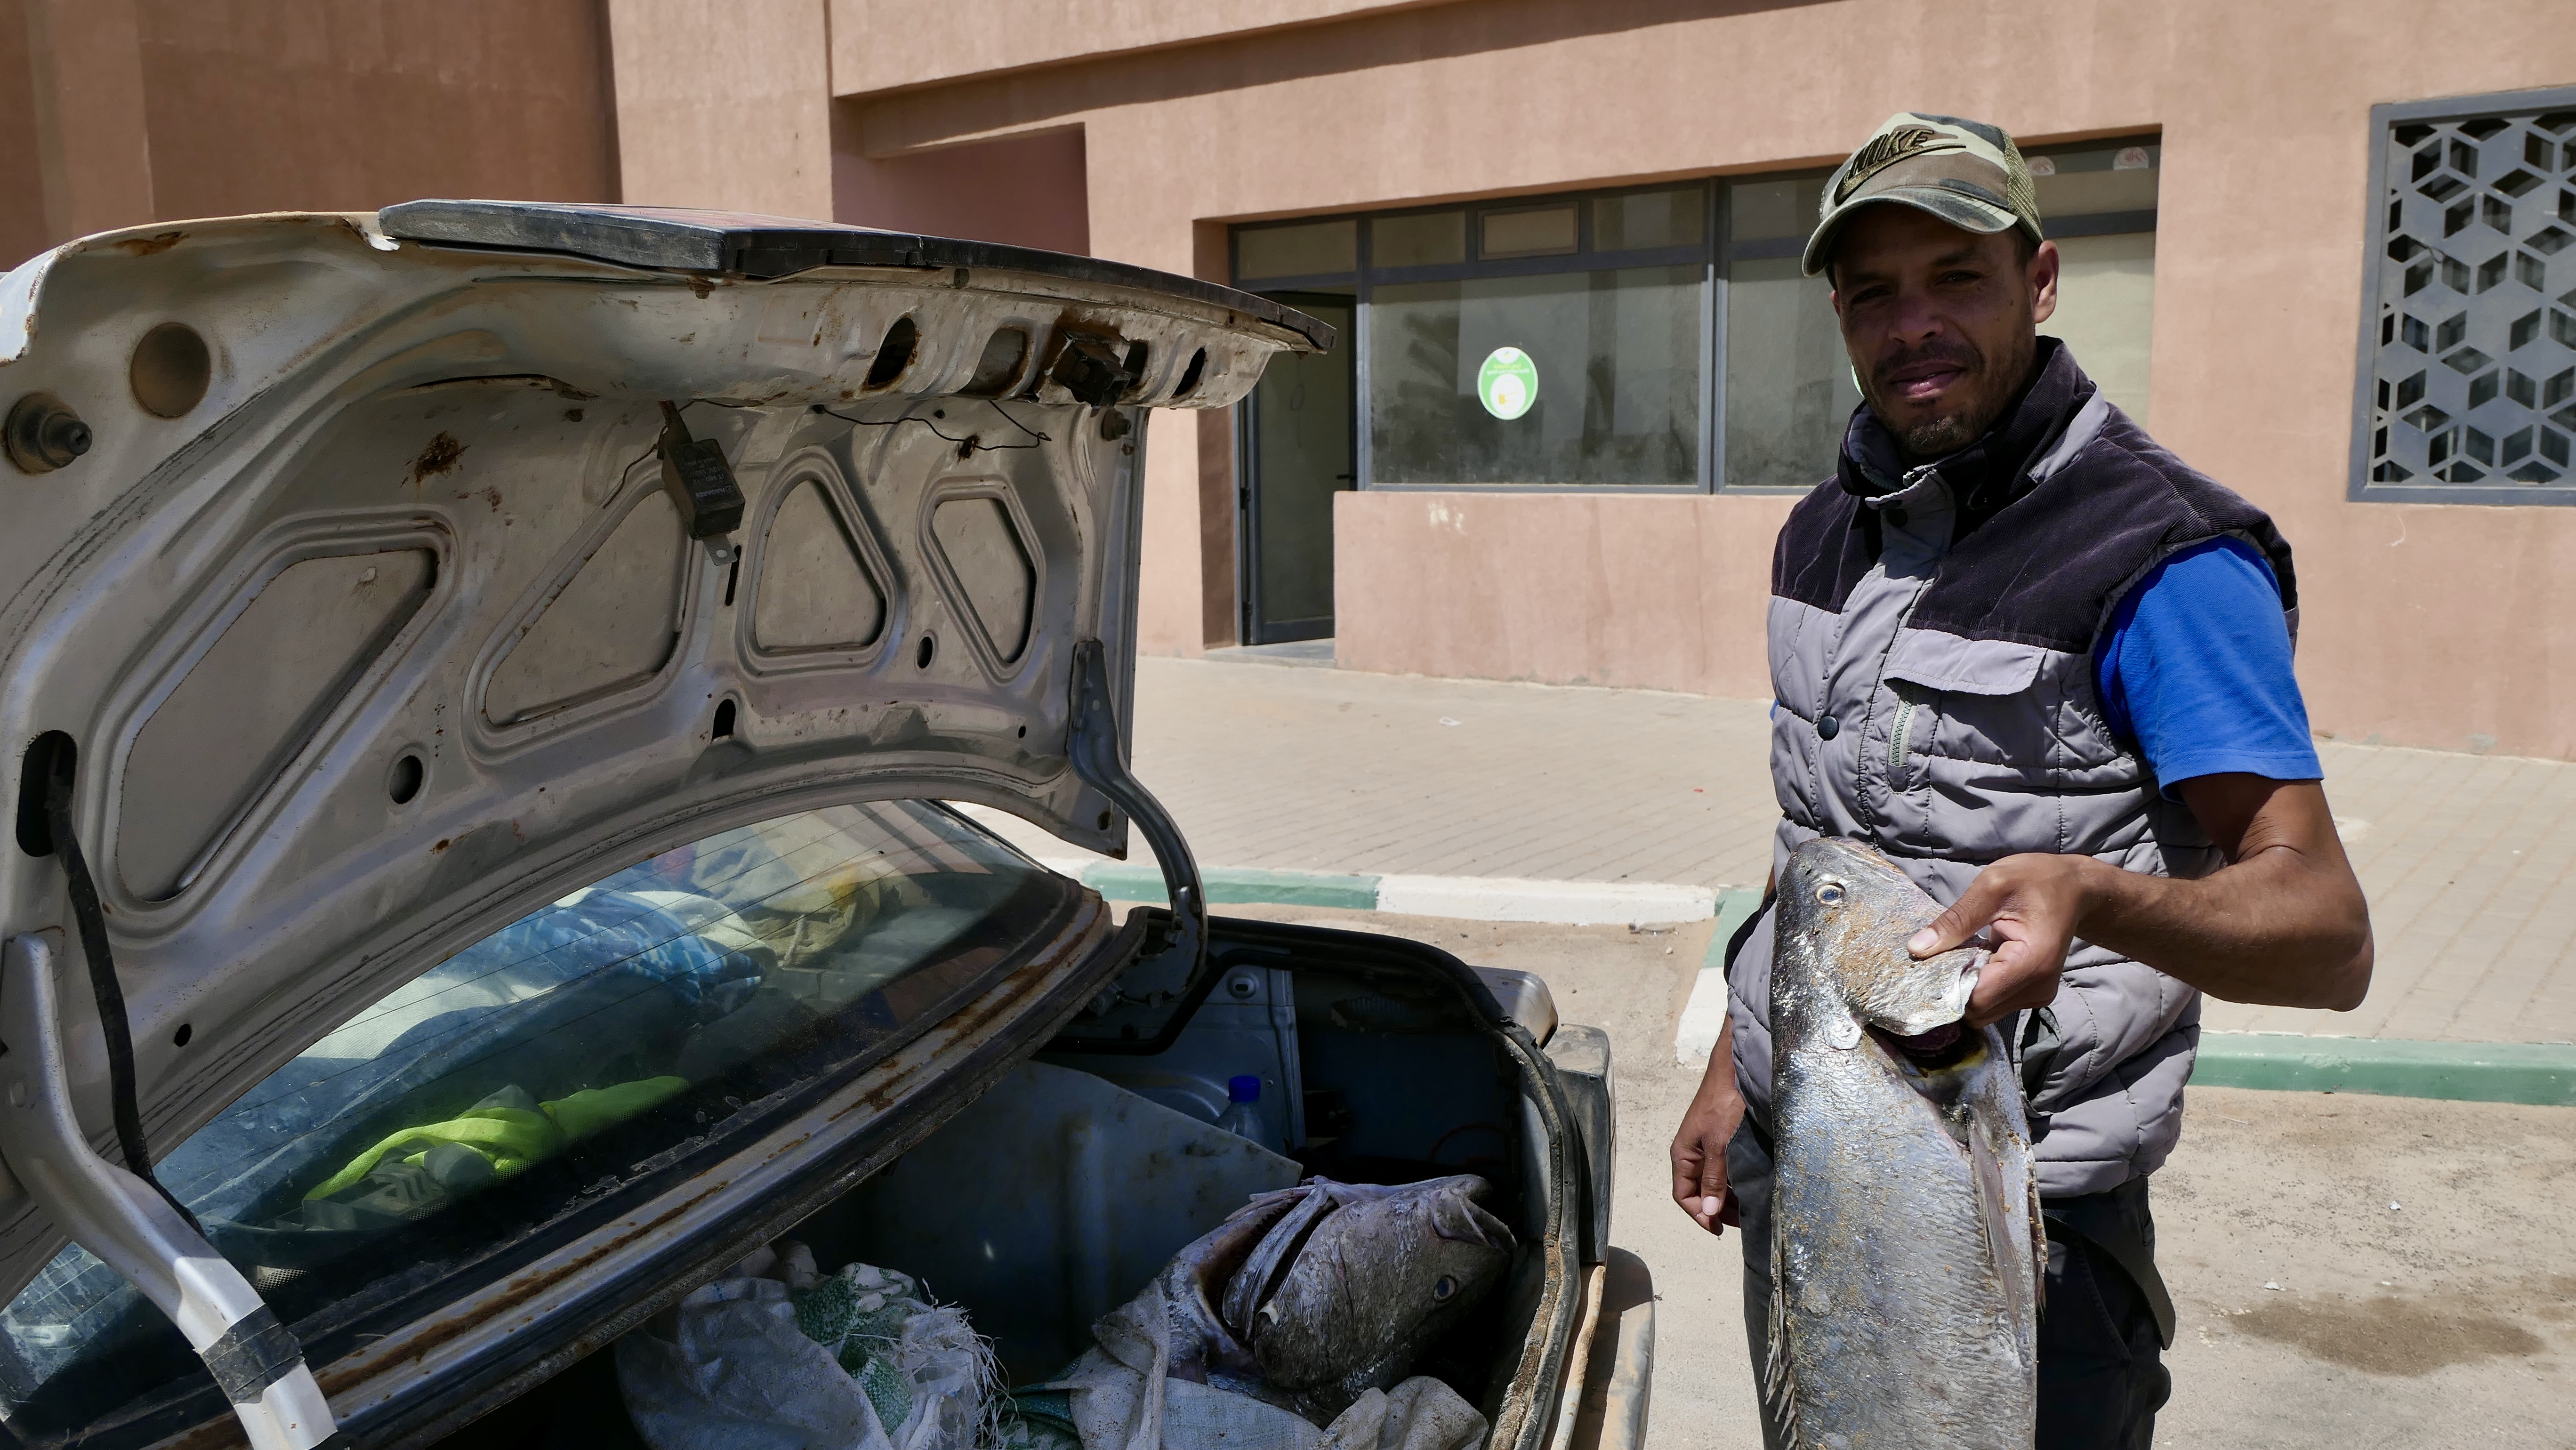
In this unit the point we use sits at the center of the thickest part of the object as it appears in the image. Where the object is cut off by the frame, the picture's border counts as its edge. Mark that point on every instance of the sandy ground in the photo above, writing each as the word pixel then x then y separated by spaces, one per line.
pixel 2312 1312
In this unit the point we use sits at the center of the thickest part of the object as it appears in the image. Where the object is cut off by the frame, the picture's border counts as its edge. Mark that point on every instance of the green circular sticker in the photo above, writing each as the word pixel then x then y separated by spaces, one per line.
pixel 1508 383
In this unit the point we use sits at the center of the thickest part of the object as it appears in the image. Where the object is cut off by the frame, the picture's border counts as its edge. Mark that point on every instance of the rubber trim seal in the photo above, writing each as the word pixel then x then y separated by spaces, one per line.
pixel 113 1024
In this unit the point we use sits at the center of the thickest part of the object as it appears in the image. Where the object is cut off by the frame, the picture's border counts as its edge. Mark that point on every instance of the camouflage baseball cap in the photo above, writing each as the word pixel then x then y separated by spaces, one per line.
pixel 1967 173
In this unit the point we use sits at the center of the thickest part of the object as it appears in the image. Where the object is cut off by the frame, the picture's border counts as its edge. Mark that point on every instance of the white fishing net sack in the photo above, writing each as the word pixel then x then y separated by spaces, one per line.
pixel 778 1357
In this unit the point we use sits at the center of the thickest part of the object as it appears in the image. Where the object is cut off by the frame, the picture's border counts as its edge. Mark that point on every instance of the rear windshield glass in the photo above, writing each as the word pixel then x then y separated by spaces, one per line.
pixel 549 1060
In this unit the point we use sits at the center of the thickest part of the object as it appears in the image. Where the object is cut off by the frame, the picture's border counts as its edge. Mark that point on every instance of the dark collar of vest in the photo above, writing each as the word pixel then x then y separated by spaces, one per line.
pixel 1991 472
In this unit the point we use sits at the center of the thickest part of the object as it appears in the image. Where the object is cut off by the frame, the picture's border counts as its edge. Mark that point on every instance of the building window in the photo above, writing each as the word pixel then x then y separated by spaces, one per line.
pixel 1789 388
pixel 2468 374
pixel 1789 384
pixel 1656 338
pixel 1559 379
pixel 1560 342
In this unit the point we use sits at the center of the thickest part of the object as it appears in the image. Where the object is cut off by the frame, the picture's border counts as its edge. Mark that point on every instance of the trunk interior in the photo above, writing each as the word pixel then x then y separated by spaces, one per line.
pixel 1062 1191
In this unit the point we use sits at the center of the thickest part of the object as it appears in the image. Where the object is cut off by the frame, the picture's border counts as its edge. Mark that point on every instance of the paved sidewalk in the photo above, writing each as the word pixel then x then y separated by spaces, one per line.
pixel 2469 861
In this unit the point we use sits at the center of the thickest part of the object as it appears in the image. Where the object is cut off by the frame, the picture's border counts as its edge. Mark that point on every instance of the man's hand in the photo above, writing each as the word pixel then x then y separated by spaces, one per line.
pixel 1699 1149
pixel 2034 908
pixel 2283 923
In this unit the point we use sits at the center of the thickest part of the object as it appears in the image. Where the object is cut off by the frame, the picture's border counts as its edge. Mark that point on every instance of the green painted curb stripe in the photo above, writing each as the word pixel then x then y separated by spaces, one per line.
pixel 2489 1072
pixel 2541 1074
pixel 1132 882
pixel 1733 907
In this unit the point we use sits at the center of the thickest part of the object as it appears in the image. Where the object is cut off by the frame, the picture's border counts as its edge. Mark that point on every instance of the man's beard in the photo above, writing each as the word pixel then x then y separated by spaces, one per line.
pixel 1973 407
pixel 1943 435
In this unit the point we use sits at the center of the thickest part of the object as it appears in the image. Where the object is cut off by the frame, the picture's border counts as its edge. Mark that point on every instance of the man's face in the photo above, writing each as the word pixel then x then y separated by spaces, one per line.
pixel 1941 324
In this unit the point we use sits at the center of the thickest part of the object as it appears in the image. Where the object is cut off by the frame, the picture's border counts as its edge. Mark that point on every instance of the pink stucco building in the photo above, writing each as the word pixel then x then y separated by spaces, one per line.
pixel 2324 250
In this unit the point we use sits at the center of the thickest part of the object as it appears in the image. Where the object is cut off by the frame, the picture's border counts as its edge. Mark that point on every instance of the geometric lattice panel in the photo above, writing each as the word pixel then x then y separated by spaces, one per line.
pixel 2474 380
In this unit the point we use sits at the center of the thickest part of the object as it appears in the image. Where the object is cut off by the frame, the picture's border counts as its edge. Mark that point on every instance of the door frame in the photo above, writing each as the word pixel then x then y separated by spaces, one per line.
pixel 1247 480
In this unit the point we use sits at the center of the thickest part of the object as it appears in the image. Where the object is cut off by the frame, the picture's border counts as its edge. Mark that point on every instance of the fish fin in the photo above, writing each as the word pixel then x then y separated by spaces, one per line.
pixel 1996 1211
pixel 1779 1379
pixel 1250 1286
pixel 2038 1242
pixel 1461 1221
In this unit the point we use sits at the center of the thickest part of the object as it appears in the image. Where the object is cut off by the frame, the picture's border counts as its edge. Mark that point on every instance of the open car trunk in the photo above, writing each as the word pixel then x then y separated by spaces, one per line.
pixel 487 675
pixel 1063 1189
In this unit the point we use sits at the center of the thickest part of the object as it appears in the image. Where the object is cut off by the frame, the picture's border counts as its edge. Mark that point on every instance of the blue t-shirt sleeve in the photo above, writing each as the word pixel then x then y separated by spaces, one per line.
pixel 2195 669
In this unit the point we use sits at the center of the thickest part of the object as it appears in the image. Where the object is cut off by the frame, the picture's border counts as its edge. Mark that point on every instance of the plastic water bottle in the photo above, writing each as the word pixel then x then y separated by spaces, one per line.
pixel 1242 1115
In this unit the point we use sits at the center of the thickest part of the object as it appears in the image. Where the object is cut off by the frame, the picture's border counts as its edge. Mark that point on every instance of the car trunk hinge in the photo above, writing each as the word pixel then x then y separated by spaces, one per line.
pixel 1099 759
pixel 132 1228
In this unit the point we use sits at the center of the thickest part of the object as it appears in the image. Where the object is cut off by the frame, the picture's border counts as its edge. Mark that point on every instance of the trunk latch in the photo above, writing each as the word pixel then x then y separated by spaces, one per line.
pixel 701 482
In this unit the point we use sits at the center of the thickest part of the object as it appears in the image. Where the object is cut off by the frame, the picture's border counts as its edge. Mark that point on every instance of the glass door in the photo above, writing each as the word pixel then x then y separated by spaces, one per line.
pixel 1297 454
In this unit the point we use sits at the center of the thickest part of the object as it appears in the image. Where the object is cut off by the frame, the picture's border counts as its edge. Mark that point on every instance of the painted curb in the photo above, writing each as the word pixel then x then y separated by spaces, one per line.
pixel 1133 881
pixel 2537 1073
pixel 1472 898
pixel 1580 903
pixel 2532 1073
pixel 1705 1016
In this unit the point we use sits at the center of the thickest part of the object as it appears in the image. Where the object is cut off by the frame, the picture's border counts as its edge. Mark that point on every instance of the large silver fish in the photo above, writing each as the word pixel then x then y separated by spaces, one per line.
pixel 1349 1288
pixel 1309 1297
pixel 1906 1246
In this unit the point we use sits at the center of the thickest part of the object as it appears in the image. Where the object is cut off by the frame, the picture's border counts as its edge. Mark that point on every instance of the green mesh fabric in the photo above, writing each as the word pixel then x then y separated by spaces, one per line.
pixel 861 1299
pixel 889 1392
pixel 859 1314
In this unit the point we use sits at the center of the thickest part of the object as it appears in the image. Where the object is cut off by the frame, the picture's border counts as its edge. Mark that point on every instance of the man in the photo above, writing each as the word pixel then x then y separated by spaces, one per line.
pixel 2045 667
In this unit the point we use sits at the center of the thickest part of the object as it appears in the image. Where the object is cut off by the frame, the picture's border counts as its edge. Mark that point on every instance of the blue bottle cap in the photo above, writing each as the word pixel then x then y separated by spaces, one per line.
pixel 1245 1089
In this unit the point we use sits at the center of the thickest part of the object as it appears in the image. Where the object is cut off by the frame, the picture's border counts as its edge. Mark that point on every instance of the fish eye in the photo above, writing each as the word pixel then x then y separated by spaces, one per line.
pixel 1830 893
pixel 1446 1287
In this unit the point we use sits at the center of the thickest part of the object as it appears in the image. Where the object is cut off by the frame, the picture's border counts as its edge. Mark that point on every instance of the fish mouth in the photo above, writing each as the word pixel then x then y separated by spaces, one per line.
pixel 1945 1046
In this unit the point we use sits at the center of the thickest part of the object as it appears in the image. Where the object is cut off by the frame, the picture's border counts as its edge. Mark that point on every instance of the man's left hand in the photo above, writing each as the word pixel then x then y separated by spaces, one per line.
pixel 2033 906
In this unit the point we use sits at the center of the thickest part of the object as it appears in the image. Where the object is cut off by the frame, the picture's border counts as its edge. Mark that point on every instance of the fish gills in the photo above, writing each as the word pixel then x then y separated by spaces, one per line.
pixel 1906 1262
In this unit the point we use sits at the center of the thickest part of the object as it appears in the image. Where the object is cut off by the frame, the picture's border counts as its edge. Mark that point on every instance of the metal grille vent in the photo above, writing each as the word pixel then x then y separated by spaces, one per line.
pixel 2472 362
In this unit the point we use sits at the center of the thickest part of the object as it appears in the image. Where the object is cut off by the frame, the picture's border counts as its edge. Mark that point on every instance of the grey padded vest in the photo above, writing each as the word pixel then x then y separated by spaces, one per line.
pixel 1931 642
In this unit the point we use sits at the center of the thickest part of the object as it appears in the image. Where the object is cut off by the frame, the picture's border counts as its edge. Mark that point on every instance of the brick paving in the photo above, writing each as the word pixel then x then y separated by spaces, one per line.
pixel 2467 859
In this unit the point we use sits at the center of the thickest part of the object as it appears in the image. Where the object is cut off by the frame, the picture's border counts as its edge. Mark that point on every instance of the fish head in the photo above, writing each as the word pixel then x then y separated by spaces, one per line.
pixel 1378 1279
pixel 1192 1284
pixel 1851 910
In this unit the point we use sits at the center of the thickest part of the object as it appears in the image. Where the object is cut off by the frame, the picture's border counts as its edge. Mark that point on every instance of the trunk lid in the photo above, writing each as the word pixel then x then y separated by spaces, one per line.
pixel 374 580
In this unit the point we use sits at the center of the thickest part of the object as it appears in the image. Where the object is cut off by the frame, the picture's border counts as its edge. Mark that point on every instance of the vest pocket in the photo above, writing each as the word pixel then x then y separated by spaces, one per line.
pixel 1948 663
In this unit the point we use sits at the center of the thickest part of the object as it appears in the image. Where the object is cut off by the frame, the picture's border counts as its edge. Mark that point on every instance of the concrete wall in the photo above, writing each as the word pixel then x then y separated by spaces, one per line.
pixel 1027 190
pixel 1654 591
pixel 261 105
pixel 23 232
pixel 2429 624
pixel 881 45
pixel 725 104
pixel 130 111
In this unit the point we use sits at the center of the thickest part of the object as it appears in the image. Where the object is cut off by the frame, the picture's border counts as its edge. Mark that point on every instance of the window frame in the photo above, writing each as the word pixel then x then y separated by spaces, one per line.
pixel 2385 118
pixel 1730 252
pixel 1715 255
pixel 1585 258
